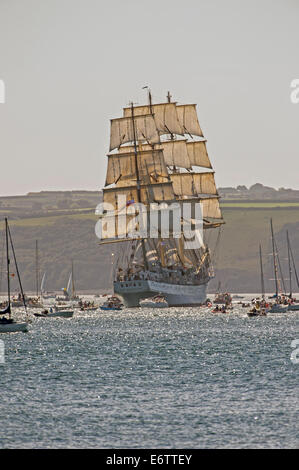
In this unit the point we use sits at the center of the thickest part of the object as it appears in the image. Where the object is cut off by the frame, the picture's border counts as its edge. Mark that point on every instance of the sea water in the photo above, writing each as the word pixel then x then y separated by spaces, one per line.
pixel 149 378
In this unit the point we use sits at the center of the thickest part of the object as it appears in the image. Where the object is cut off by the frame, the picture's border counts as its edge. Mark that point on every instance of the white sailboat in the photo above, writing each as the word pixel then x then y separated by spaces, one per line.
pixel 61 311
pixel 45 294
pixel 8 324
pixel 158 301
pixel 277 307
pixel 259 309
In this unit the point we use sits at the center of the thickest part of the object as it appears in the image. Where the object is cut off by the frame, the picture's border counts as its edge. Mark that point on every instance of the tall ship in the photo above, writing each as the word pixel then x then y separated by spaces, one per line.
pixel 159 203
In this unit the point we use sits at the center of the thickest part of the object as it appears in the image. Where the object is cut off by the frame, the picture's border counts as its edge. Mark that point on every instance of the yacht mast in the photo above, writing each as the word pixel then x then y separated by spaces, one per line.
pixel 294 266
pixel 262 275
pixel 274 259
pixel 7 264
pixel 73 282
pixel 36 268
pixel 290 266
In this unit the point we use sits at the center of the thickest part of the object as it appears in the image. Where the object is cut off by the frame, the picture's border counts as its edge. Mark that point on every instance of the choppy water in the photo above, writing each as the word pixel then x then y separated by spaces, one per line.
pixel 174 378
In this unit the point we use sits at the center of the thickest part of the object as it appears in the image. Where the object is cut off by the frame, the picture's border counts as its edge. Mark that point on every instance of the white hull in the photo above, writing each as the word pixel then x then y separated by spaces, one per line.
pixel 135 291
pixel 13 327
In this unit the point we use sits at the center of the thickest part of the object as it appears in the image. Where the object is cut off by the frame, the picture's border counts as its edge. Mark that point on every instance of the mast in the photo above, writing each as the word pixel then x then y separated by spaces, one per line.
pixel 7 264
pixel 274 259
pixel 73 282
pixel 290 266
pixel 174 169
pixel 138 179
pixel 150 101
pixel 17 269
pixel 293 261
pixel 36 268
pixel 280 270
pixel 2 262
pixel 262 275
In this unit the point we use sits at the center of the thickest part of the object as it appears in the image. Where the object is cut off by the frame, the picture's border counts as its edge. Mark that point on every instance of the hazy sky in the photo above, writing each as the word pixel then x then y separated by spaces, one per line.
pixel 69 66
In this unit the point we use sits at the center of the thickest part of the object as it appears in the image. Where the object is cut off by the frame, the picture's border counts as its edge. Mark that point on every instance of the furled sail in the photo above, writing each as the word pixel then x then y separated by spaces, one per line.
pixel 198 155
pixel 165 116
pixel 122 130
pixel 122 167
pixel 193 184
pixel 188 119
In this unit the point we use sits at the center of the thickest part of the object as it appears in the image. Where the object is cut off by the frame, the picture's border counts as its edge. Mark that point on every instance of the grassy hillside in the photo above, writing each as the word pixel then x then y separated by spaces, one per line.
pixel 69 234
pixel 237 264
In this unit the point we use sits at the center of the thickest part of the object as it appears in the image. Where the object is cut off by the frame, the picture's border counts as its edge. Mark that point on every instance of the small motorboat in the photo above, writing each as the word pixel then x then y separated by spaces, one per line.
pixel 8 325
pixel 87 306
pixel 293 307
pixel 219 309
pixel 58 313
pixel 34 302
pixel 278 308
pixel 257 313
pixel 112 303
pixel 91 308
pixel 158 301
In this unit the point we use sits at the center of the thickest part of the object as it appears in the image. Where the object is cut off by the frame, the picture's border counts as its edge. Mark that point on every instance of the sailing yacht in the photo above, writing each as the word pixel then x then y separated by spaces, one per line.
pixel 158 157
pixel 45 294
pixel 259 308
pixel 69 291
pixel 293 306
pixel 277 307
pixel 8 324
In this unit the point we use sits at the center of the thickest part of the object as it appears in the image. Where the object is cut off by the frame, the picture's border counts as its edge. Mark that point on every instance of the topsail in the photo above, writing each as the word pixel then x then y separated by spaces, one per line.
pixel 165 116
pixel 122 130
pixel 188 119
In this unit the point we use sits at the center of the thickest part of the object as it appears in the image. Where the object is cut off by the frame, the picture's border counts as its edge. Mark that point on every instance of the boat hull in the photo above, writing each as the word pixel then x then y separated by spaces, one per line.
pixel 293 307
pixel 13 327
pixel 277 309
pixel 88 309
pixel 153 304
pixel 59 314
pixel 176 295
pixel 62 313
pixel 111 308
pixel 256 314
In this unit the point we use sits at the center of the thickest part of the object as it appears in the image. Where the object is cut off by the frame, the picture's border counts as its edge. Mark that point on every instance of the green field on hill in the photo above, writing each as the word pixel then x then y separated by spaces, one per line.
pixel 257 205
pixel 70 235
